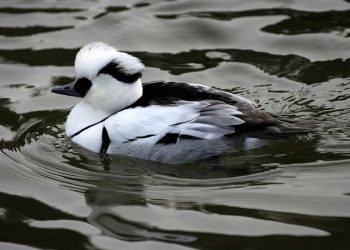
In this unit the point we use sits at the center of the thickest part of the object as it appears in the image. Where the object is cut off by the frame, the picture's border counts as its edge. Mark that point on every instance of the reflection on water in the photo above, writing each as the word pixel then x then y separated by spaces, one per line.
pixel 298 22
pixel 291 57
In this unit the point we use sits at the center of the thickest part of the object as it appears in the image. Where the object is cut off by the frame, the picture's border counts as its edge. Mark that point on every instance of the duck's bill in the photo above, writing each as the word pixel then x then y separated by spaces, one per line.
pixel 66 90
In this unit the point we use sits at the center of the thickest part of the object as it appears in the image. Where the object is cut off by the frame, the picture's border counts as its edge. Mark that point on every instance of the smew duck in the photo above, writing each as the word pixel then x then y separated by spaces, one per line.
pixel 171 122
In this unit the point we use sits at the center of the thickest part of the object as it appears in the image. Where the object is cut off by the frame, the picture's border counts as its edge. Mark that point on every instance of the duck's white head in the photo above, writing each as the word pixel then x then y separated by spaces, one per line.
pixel 107 79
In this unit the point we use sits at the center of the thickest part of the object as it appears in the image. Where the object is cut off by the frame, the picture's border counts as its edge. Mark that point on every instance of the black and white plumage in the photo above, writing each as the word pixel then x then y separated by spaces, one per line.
pixel 171 122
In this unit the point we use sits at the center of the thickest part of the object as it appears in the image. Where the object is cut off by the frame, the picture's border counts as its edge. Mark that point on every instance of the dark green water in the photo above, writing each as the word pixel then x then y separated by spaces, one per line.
pixel 290 56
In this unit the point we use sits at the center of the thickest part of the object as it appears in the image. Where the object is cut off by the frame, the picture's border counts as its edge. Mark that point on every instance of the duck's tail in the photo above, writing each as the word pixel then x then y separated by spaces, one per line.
pixel 290 127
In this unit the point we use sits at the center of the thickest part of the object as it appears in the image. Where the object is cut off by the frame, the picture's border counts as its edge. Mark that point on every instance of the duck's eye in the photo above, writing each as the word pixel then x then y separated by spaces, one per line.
pixel 82 86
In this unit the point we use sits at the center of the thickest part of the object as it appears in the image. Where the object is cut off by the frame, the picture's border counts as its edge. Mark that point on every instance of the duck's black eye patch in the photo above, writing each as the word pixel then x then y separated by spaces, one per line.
pixel 116 71
pixel 82 86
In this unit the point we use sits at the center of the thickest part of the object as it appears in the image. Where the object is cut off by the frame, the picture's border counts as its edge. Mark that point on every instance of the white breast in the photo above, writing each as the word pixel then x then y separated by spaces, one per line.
pixel 81 116
pixel 90 138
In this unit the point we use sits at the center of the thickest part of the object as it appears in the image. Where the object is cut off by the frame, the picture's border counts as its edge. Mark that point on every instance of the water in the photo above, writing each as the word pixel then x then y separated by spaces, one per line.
pixel 291 56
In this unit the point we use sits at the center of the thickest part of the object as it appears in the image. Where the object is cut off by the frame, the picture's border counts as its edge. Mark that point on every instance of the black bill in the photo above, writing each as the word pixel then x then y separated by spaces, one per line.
pixel 66 90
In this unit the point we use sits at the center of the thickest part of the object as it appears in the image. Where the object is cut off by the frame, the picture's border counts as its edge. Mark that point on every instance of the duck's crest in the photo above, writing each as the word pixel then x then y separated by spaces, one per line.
pixel 96 56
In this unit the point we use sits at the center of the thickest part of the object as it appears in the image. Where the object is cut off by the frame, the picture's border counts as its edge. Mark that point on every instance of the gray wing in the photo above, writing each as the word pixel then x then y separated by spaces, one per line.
pixel 215 119
pixel 218 119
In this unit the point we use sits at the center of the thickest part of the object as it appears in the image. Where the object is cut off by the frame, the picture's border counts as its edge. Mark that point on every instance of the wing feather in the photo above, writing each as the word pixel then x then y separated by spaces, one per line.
pixel 204 119
pixel 191 110
pixel 220 120
pixel 170 112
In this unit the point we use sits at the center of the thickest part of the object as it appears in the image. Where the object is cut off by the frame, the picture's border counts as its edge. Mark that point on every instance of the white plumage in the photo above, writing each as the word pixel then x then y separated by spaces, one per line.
pixel 94 56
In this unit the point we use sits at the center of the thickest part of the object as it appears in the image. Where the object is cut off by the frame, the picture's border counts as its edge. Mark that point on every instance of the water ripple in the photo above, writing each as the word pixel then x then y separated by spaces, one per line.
pixel 291 57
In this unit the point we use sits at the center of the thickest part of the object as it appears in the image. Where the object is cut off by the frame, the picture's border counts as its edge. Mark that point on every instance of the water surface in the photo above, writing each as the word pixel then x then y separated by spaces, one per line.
pixel 291 57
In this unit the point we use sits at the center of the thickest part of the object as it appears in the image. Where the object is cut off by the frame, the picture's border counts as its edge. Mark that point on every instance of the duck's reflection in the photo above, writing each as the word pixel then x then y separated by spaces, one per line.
pixel 125 192
pixel 136 186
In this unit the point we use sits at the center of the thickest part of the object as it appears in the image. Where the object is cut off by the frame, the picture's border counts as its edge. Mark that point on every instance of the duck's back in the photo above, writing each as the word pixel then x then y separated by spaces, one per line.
pixel 179 122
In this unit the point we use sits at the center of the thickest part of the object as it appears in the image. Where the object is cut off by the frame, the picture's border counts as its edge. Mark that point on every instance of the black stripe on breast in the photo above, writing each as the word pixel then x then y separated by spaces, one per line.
pixel 91 125
pixel 138 137
pixel 87 127
pixel 105 141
